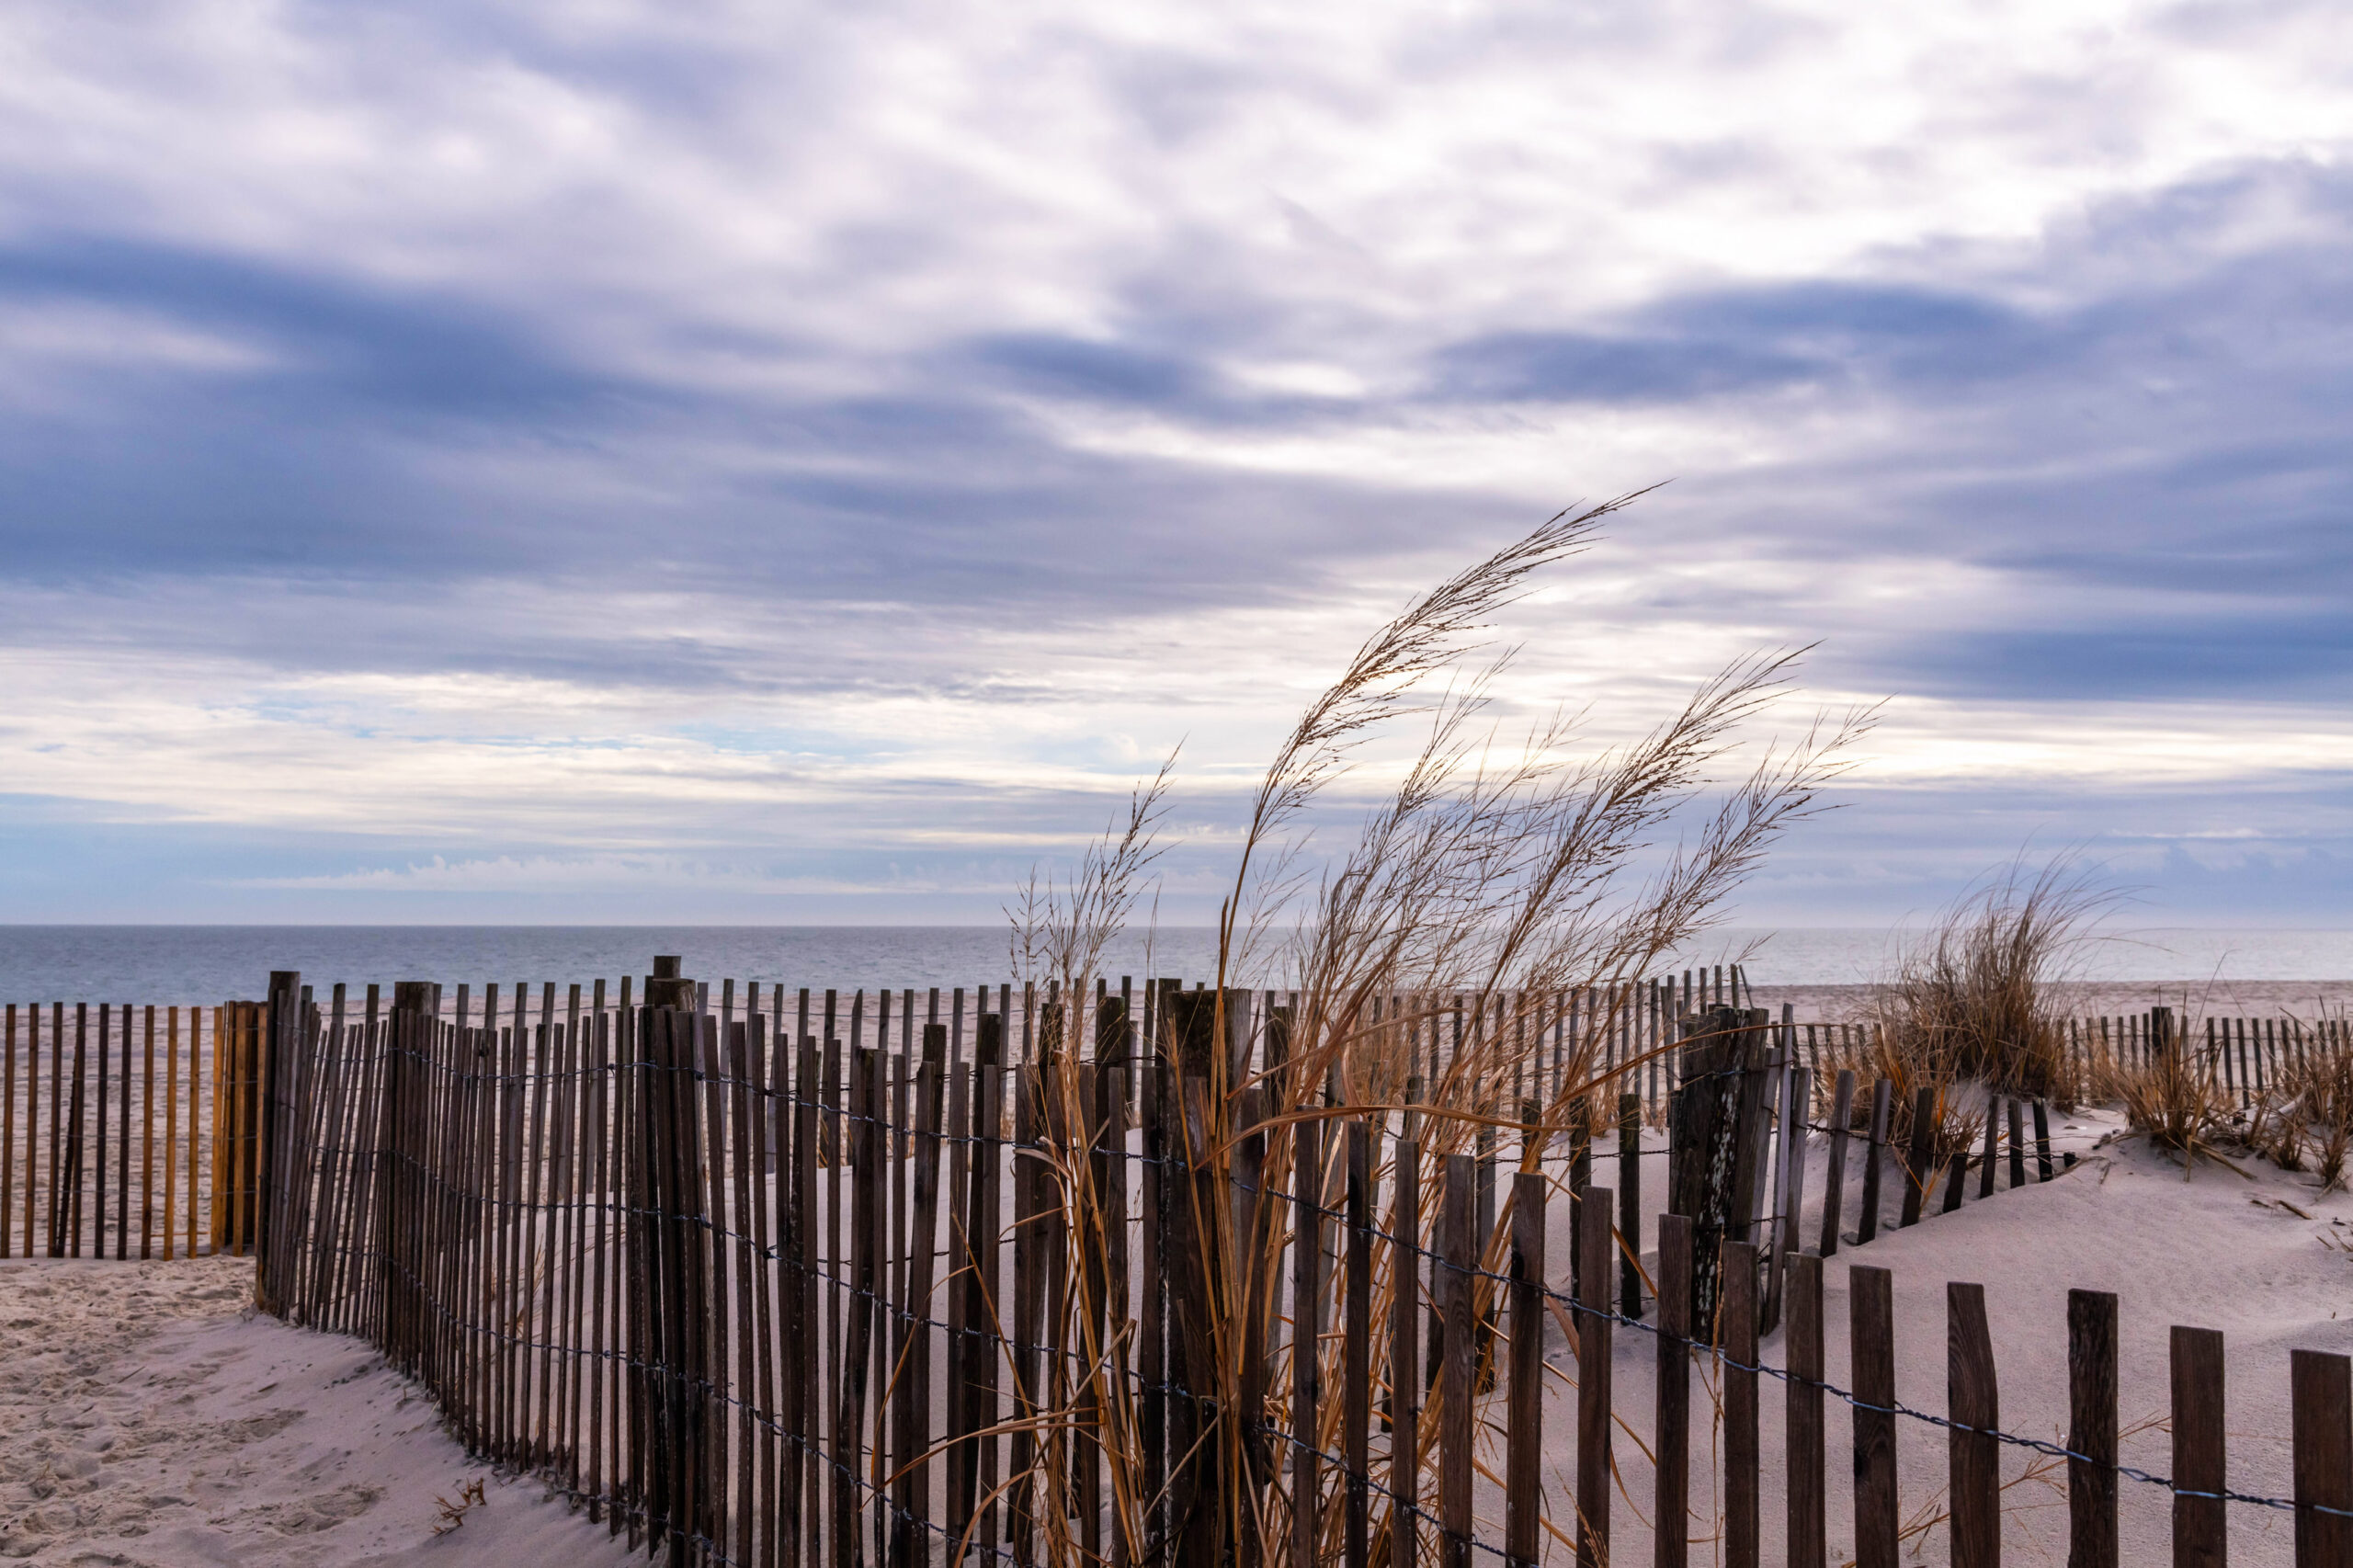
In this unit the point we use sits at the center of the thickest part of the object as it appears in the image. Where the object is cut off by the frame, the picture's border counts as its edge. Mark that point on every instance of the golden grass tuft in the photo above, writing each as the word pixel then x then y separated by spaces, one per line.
pixel 2175 1102
pixel 2308 1106
pixel 1492 877
pixel 1981 995
pixel 1978 1005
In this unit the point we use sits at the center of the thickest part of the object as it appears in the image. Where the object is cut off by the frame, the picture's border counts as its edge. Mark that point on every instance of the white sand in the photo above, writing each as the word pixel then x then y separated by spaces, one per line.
pixel 148 1415
pixel 2213 1252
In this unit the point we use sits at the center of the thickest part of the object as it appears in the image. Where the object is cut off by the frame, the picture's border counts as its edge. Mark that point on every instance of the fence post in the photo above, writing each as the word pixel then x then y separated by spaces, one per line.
pixel 679 1305
pixel 865 1154
pixel 1672 1499
pixel 1759 1084
pixel 1834 1189
pixel 1406 1357
pixel 1203 1520
pixel 1580 1178
pixel 1872 1325
pixel 1711 1166
pixel 1630 1204
pixel 1971 1456
pixel 912 1422
pixel 667 986
pixel 1356 1370
pixel 2091 1398
pixel 1796 1100
pixel 1875 1161
pixel 1920 1167
pixel 2197 1522
pixel 1985 1184
pixel 1802 1426
pixel 1151 1238
pixel 1595 1471
pixel 412 1011
pixel 278 1060
pixel 1738 1340
pixel 1457 1373
pixel 1524 1432
pixel 808 1411
pixel 1307 1333
pixel 2321 1406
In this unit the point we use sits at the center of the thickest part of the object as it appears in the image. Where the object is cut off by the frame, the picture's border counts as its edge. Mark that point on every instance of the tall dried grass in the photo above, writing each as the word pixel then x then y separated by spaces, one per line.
pixel 1981 995
pixel 1978 1003
pixel 2177 1103
pixel 2308 1108
pixel 1498 874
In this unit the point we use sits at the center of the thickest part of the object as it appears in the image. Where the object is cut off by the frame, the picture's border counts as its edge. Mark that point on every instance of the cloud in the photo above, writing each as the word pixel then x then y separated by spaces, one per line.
pixel 524 433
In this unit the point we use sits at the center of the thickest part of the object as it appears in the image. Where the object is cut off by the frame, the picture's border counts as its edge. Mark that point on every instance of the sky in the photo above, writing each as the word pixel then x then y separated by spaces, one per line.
pixel 604 461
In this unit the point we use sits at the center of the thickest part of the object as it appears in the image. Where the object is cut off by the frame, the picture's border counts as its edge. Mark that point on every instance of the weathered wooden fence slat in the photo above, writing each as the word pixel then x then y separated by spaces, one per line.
pixel 732 1271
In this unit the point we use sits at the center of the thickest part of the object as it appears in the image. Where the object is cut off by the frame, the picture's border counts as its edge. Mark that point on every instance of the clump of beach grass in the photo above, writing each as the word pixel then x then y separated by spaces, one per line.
pixel 2175 1102
pixel 1976 1006
pixel 1497 873
pixel 1983 994
pixel 2308 1107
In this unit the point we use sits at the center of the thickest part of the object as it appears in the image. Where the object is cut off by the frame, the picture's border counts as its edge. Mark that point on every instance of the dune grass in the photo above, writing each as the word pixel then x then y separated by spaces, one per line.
pixel 1495 875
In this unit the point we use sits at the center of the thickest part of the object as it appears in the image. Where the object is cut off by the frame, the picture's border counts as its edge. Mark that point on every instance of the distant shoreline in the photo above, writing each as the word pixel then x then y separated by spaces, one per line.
pixel 2244 998
pixel 1823 970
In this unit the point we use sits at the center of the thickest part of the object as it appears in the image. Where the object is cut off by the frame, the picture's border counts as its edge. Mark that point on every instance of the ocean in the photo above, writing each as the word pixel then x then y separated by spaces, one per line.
pixel 213 963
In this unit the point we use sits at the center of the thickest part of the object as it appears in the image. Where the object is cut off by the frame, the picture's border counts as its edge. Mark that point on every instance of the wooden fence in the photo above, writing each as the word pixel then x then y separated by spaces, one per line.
pixel 129 1132
pixel 755 1290
pixel 133 1131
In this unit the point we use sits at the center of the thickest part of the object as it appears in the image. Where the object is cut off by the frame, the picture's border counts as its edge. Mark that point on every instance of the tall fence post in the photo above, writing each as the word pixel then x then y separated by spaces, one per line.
pixel 1972 1452
pixel 1523 1456
pixel 1630 1204
pixel 1457 1374
pixel 1920 1169
pixel 278 1055
pixel 1743 1517
pixel 2091 1398
pixel 1802 1442
pixel 1356 1367
pixel 1875 1161
pixel 1405 1361
pixel 1834 1187
pixel 412 1000
pixel 1594 1469
pixel 1307 1327
pixel 1872 1325
pixel 2198 1474
pixel 1672 1498
pixel 1204 1518
pixel 1711 1148
pixel 2321 1405
pixel 673 1259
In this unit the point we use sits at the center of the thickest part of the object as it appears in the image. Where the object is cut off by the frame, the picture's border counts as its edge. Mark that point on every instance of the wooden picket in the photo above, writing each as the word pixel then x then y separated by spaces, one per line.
pixel 745 1276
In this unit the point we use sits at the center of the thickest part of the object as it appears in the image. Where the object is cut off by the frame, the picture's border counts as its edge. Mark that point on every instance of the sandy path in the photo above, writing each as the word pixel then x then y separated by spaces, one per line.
pixel 148 1415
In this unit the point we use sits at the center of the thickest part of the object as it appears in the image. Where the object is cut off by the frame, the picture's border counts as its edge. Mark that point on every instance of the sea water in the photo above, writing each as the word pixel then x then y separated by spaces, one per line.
pixel 213 963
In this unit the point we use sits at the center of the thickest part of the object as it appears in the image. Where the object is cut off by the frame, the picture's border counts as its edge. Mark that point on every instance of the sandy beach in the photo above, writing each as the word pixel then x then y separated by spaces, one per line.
pixel 148 1415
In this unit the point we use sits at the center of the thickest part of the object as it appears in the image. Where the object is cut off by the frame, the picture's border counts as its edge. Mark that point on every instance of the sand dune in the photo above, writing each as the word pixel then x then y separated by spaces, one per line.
pixel 148 1415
